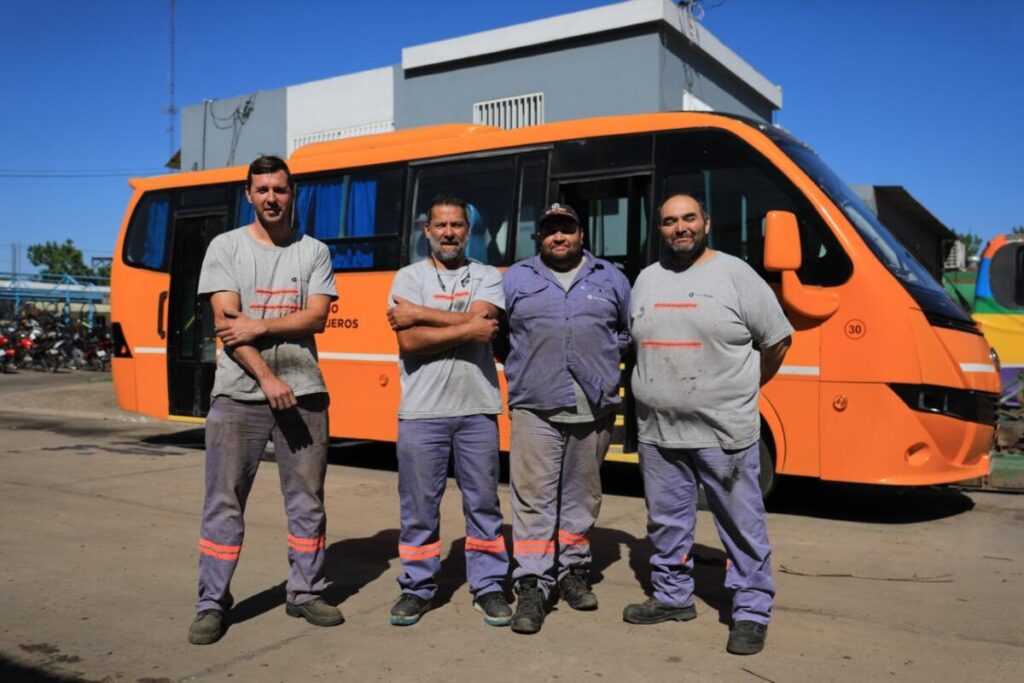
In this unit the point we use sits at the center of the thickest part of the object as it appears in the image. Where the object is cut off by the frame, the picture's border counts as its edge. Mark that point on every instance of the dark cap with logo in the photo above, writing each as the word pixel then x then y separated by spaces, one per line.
pixel 557 210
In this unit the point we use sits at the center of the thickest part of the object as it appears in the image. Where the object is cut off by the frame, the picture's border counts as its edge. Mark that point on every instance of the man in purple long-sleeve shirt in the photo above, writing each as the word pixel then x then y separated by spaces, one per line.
pixel 568 318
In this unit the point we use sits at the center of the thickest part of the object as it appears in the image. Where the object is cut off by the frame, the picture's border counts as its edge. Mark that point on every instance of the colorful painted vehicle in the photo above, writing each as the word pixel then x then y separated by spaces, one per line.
pixel 888 380
pixel 994 295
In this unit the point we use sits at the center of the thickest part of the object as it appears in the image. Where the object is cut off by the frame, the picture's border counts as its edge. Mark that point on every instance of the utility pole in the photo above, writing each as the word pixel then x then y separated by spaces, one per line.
pixel 172 111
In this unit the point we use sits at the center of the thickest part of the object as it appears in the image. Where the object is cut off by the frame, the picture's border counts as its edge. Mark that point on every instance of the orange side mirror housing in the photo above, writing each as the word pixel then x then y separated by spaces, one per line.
pixel 781 242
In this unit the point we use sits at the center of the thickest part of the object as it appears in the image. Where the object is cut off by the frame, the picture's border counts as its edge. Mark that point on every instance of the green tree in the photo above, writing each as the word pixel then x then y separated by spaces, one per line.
pixel 59 259
pixel 972 243
pixel 1019 230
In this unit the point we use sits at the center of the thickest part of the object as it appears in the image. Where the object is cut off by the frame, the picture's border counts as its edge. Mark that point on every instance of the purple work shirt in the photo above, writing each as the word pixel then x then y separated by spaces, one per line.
pixel 556 336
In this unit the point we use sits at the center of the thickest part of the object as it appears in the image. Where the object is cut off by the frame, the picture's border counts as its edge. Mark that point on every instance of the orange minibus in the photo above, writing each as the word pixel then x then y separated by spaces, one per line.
pixel 888 381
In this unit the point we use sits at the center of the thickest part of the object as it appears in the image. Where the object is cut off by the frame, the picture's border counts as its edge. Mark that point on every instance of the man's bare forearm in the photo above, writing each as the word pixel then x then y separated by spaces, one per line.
pixel 426 340
pixel 771 359
pixel 251 360
pixel 295 325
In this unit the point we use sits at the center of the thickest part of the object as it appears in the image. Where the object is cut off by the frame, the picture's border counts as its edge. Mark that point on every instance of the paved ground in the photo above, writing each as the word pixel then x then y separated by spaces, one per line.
pixel 97 578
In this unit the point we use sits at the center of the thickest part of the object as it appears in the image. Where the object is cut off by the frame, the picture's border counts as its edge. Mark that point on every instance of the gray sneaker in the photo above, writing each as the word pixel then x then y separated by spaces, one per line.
pixel 208 627
pixel 316 612
pixel 494 607
pixel 654 611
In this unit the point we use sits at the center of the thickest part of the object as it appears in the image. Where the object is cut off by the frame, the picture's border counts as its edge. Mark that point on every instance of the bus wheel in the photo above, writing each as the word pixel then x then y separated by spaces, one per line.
pixel 767 478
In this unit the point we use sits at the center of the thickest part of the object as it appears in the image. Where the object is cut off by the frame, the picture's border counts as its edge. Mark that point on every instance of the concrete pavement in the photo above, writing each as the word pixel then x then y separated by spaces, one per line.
pixel 100 517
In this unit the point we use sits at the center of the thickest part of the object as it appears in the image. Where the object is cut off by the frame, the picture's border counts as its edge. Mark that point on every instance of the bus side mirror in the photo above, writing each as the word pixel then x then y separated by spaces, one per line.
pixel 782 254
pixel 781 242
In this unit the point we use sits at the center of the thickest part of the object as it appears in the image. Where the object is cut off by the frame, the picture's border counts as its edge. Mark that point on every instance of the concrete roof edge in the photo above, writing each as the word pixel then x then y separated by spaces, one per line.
pixel 587 22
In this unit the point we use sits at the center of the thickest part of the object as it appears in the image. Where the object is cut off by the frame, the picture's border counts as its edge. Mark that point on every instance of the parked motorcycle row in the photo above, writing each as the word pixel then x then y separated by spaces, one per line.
pixel 43 341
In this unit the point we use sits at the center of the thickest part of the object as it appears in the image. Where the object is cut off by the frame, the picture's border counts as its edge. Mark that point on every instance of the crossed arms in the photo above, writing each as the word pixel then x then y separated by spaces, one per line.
pixel 424 331
pixel 238 332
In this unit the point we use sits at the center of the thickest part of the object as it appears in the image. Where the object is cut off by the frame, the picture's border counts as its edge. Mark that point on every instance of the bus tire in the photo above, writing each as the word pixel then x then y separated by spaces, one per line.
pixel 767 478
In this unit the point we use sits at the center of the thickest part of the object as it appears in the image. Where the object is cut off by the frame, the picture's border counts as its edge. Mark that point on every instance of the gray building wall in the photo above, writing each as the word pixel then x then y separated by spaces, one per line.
pixel 601 75
pixel 220 133
pixel 684 66
pixel 920 232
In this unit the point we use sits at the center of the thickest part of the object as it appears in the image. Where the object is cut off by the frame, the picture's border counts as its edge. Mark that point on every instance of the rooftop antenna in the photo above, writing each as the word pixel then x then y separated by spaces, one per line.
pixel 172 110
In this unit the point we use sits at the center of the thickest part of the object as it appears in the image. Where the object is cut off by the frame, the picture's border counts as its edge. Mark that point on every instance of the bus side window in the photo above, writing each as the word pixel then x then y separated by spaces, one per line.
pixel 530 199
pixel 145 245
pixel 739 187
pixel 357 215
pixel 486 185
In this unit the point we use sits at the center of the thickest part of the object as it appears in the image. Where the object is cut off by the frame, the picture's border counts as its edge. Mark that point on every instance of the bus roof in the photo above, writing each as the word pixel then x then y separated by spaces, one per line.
pixel 453 139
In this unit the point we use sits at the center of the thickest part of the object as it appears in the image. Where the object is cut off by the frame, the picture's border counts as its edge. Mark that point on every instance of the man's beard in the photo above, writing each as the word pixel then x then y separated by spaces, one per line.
pixel 567 260
pixel 448 258
pixel 694 249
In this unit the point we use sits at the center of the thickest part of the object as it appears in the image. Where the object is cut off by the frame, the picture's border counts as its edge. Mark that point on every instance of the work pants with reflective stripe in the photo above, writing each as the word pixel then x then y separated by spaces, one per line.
pixel 730 480
pixel 236 436
pixel 424 448
pixel 556 493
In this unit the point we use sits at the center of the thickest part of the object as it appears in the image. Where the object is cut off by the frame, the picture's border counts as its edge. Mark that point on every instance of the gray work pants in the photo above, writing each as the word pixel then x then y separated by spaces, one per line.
pixel 556 493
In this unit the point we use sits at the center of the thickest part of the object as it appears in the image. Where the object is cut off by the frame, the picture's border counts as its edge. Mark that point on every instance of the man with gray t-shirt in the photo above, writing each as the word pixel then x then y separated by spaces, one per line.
pixel 444 310
pixel 270 290
pixel 695 317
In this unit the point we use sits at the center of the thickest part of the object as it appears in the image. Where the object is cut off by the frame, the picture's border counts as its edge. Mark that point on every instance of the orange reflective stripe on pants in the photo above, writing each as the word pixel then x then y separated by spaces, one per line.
pixel 307 545
pixel 567 538
pixel 533 547
pixel 218 551
pixel 496 546
pixel 421 552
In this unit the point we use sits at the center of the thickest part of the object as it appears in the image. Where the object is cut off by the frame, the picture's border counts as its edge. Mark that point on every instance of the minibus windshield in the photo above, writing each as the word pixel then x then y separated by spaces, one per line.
pixel 919 283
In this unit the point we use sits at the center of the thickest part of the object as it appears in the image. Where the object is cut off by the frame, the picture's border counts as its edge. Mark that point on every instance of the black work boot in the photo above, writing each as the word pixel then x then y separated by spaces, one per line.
pixel 653 611
pixel 746 638
pixel 529 614
pixel 316 612
pixel 408 609
pixel 208 627
pixel 575 589
pixel 494 607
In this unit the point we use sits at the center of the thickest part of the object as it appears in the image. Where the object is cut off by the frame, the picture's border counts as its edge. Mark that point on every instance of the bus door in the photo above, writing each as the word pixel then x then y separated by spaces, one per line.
pixel 191 341
pixel 614 213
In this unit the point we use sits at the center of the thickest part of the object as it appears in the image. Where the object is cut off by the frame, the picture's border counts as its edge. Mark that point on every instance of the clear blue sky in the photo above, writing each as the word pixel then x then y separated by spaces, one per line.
pixel 924 94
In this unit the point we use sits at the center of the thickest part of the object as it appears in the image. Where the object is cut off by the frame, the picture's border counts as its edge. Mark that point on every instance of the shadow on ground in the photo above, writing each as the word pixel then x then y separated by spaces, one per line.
pixel 350 565
pixel 866 503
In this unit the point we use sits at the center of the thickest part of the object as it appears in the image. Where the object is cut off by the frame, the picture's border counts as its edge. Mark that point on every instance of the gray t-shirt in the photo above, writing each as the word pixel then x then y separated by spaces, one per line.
pixel 271 283
pixel 462 380
pixel 697 373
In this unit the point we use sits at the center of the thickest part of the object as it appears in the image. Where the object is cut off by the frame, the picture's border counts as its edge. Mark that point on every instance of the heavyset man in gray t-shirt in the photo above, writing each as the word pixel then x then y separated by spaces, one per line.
pixel 270 290
pixel 695 317
pixel 444 310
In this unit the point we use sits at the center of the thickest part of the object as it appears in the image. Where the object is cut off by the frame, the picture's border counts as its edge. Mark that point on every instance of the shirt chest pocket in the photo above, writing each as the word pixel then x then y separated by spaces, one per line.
pixel 537 302
pixel 600 301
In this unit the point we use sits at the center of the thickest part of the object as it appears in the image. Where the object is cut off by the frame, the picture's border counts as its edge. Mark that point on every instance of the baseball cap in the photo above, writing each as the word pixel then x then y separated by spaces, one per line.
pixel 557 210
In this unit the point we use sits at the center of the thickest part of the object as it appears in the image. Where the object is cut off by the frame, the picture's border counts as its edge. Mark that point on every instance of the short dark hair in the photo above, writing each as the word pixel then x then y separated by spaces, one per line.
pixel 444 199
pixel 267 163
pixel 703 209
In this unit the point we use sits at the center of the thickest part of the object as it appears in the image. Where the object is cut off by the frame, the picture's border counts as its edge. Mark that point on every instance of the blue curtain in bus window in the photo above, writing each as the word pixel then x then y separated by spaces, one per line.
pixel 246 215
pixel 360 221
pixel 153 254
pixel 319 208
pixel 477 247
